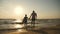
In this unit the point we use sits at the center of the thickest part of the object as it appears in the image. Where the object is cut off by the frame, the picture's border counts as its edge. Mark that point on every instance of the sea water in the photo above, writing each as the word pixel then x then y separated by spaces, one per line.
pixel 10 24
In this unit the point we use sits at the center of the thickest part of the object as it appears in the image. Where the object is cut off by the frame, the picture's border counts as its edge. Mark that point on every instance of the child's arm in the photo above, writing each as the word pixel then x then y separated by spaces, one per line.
pixel 23 20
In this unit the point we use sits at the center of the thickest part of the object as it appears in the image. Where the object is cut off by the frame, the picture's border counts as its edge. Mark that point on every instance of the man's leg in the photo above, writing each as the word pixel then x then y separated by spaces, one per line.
pixel 33 23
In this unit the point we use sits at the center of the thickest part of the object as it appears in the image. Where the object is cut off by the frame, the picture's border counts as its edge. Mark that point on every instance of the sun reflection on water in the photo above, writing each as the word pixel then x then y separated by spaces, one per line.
pixel 21 30
pixel 18 25
pixel 18 20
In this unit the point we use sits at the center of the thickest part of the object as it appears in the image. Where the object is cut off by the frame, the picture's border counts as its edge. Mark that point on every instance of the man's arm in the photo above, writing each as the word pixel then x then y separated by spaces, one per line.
pixel 36 16
pixel 30 16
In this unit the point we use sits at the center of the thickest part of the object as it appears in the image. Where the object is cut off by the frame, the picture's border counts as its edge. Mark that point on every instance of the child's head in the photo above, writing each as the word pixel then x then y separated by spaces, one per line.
pixel 25 15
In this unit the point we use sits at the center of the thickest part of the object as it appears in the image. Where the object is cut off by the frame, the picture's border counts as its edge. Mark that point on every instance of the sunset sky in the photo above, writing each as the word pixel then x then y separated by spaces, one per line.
pixel 18 8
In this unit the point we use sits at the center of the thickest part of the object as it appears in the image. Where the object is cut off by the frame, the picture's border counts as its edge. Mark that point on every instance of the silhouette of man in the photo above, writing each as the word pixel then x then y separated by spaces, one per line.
pixel 33 17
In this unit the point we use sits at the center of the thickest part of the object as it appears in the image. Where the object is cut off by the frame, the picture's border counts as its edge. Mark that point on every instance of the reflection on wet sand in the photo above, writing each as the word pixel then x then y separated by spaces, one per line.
pixel 21 30
pixel 48 30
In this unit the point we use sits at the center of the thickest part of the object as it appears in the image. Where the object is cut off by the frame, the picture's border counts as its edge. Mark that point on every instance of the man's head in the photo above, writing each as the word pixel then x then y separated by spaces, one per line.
pixel 33 11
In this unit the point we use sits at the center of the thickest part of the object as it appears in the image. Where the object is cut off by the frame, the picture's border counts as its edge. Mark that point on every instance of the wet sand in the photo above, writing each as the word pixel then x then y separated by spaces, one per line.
pixel 48 30
pixel 20 31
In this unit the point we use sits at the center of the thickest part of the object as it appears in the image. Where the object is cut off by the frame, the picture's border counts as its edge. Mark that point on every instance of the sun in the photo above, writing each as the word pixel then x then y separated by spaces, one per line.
pixel 18 10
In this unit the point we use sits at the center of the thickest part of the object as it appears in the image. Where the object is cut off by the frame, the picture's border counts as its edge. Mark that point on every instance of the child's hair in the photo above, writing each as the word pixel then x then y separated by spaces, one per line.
pixel 25 15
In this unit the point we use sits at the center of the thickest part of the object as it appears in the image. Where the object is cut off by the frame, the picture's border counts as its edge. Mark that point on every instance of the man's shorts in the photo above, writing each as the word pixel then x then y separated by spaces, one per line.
pixel 33 19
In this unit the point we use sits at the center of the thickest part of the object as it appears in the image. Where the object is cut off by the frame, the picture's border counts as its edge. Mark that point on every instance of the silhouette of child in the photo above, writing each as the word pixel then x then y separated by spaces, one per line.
pixel 25 20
